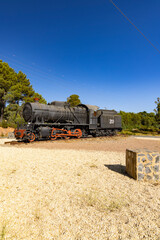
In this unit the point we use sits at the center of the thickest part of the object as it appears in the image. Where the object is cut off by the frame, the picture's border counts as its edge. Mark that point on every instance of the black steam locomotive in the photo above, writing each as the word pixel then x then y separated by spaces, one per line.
pixel 59 120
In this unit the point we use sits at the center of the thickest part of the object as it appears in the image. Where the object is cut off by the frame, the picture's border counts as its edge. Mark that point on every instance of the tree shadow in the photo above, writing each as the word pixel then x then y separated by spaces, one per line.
pixel 117 168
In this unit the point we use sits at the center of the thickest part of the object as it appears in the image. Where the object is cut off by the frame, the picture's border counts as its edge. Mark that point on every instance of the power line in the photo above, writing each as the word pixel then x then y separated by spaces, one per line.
pixel 32 69
pixel 135 26
pixel 35 72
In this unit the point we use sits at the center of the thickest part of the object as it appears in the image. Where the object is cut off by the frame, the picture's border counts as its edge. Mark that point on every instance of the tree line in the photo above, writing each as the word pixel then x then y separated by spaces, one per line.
pixel 141 121
pixel 16 89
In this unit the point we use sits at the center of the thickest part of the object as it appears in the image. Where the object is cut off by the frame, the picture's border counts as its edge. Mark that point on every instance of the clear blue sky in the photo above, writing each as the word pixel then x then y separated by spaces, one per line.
pixel 85 47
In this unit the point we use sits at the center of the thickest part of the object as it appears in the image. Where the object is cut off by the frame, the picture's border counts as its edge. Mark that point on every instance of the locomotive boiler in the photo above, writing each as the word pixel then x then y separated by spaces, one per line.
pixel 59 120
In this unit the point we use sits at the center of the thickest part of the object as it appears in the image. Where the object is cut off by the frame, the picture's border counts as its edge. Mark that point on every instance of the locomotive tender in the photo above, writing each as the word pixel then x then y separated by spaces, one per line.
pixel 59 120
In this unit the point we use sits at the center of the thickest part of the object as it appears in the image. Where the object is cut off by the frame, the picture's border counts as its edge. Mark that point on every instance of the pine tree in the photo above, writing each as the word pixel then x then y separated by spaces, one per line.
pixel 73 100
pixel 7 79
pixel 15 90
pixel 34 96
pixel 21 90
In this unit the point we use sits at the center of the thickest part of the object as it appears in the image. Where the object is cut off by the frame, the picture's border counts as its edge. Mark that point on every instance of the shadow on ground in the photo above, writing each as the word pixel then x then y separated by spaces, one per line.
pixel 117 168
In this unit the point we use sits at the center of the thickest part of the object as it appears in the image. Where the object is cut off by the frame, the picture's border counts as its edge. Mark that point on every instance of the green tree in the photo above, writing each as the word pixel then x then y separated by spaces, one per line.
pixel 21 90
pixel 15 90
pixel 13 114
pixel 38 96
pixel 157 111
pixel 73 100
pixel 7 79
pixel 141 120
pixel 148 120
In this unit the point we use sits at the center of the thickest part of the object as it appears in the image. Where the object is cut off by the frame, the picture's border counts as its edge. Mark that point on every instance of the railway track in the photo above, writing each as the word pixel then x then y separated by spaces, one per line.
pixel 62 140
pixel 21 142
pixel 15 143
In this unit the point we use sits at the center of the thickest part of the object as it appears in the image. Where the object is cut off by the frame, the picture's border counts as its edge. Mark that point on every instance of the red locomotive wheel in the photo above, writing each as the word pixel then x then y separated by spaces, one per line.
pixel 31 137
pixel 53 134
pixel 53 138
pixel 78 132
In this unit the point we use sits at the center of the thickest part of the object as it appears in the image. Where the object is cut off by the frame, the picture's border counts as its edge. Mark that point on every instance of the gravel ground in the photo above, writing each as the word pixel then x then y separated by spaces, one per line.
pixel 74 194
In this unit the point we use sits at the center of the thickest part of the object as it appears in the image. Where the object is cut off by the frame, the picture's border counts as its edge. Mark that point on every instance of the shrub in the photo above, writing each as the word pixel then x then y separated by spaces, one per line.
pixel 4 124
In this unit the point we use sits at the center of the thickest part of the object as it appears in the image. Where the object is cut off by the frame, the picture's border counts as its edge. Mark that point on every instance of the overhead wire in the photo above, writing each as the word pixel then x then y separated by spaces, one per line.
pixel 15 62
pixel 135 26
pixel 42 73
pixel 39 73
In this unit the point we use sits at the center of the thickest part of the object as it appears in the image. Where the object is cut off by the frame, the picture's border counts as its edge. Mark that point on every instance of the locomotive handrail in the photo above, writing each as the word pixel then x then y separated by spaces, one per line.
pixel 58 119
pixel 73 114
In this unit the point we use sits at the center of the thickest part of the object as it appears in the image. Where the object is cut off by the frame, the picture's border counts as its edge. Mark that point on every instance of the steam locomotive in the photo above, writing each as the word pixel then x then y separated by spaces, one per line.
pixel 60 120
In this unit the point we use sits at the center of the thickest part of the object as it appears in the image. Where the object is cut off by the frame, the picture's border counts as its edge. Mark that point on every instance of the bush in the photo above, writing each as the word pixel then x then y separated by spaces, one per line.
pixel 4 124
pixel 12 125
pixel 126 132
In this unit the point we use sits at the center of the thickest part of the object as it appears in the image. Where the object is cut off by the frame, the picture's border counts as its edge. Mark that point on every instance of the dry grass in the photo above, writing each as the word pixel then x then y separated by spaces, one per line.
pixel 3 231
pixel 67 194
pixel 94 198
pixel 93 165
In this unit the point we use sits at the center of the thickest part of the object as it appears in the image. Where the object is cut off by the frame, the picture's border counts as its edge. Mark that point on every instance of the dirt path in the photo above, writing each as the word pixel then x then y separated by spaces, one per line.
pixel 115 144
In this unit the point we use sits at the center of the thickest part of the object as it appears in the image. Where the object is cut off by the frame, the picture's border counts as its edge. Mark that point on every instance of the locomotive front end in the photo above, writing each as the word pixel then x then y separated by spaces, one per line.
pixel 19 133
pixel 28 112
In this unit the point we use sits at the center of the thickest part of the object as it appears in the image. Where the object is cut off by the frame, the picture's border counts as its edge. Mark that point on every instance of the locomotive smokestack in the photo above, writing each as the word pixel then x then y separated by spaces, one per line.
pixel 36 100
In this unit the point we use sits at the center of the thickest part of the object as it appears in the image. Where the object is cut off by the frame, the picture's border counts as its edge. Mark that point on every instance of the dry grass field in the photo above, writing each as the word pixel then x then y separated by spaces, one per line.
pixel 55 194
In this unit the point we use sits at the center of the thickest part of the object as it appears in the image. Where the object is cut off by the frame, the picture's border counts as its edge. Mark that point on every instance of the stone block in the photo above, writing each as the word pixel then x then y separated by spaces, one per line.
pixel 11 135
pixel 143 164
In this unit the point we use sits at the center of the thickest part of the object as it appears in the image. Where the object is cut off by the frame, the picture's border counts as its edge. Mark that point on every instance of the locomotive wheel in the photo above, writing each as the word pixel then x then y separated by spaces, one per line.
pixel 53 138
pixel 78 132
pixel 31 137
pixel 53 134
pixel 115 132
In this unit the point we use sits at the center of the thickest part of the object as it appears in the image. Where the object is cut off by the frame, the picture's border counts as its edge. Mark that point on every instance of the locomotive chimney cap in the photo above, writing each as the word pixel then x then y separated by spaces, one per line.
pixel 36 100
